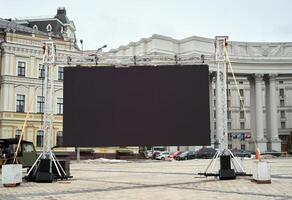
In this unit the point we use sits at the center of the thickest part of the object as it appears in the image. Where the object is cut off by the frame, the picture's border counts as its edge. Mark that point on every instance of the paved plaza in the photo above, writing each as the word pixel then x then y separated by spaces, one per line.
pixel 145 179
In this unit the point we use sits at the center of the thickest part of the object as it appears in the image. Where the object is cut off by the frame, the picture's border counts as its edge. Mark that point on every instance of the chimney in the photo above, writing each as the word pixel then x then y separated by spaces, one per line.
pixel 61 11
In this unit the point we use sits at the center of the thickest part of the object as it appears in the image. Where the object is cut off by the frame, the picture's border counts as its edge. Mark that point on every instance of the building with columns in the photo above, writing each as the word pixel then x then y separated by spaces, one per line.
pixel 264 76
pixel 263 72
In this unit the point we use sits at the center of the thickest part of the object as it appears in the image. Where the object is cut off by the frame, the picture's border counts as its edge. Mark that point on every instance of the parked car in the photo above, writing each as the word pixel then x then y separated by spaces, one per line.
pixel 162 155
pixel 26 152
pixel 205 153
pixel 241 153
pixel 187 155
pixel 272 152
pixel 175 154
pixel 155 154
pixel 148 154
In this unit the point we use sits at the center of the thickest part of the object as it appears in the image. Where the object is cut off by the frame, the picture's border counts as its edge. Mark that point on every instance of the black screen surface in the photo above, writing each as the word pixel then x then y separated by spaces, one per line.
pixel 136 106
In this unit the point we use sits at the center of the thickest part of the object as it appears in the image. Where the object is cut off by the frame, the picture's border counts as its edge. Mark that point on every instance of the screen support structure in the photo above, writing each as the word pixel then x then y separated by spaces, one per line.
pixel 49 51
pixel 222 119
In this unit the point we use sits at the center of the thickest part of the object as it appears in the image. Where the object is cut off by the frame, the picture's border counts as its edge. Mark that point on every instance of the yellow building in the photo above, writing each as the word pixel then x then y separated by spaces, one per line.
pixel 22 74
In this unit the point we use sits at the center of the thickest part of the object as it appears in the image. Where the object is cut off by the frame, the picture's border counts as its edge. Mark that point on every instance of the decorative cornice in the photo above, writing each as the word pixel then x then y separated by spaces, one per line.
pixel 240 51
pixel 16 80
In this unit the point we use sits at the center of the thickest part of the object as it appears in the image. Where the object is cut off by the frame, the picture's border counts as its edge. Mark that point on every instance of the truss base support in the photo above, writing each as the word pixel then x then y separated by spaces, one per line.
pixel 48 169
pixel 226 172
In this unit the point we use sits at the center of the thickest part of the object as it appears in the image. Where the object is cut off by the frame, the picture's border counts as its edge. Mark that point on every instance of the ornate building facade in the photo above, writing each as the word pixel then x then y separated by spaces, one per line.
pixel 264 76
pixel 22 73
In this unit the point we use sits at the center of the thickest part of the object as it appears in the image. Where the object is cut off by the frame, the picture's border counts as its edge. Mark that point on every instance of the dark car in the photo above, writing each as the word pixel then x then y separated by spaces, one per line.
pixel 241 153
pixel 187 155
pixel 26 152
pixel 272 152
pixel 205 153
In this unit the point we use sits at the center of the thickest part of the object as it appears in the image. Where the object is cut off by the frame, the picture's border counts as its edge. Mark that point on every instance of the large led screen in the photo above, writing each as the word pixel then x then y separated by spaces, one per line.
pixel 136 106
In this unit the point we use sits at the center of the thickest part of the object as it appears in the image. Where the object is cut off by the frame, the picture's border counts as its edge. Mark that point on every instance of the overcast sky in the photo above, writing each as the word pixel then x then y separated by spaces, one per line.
pixel 118 22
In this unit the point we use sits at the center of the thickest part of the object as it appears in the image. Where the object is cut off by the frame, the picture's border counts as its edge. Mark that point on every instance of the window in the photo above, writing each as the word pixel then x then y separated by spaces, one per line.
pixel 283 124
pixel 240 82
pixel 241 115
pixel 214 92
pixel 229 125
pixel 59 138
pixel 41 71
pixel 17 134
pixel 60 106
pixel 229 146
pixel 242 125
pixel 27 147
pixel 214 125
pixel 40 104
pixel 281 82
pixel 281 92
pixel 61 73
pixel 49 27
pixel 214 103
pixel 241 91
pixel 241 103
pixel 21 68
pixel 242 146
pixel 229 136
pixel 282 102
pixel 20 103
pixel 228 92
pixel 214 113
pixel 35 27
pixel 229 114
pixel 282 114
pixel 40 137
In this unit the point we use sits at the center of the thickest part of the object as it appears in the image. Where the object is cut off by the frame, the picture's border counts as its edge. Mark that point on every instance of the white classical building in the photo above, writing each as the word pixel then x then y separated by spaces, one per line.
pixel 264 74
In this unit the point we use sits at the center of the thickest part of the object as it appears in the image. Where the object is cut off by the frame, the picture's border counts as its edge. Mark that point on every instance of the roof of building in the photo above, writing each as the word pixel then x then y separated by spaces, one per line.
pixel 10 25
pixel 56 26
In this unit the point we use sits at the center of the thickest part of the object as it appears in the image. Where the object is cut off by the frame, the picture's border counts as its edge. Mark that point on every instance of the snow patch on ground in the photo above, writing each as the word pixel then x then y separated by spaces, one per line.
pixel 105 160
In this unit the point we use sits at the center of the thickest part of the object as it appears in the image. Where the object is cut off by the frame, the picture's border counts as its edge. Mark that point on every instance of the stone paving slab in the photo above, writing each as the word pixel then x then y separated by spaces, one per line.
pixel 155 180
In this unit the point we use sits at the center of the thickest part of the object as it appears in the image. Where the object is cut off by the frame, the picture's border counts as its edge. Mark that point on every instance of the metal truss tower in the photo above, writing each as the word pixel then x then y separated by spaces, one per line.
pixel 221 92
pixel 49 64
pixel 49 67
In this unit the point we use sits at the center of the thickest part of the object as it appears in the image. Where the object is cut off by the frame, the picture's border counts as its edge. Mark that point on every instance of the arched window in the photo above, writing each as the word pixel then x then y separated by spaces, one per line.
pixel 59 138
pixel 17 134
pixel 40 137
pixel 49 27
pixel 35 27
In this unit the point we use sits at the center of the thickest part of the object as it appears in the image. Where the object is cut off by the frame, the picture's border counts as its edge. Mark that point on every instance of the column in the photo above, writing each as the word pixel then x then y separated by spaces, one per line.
pixel 267 104
pixel 252 115
pixel 211 103
pixel 5 64
pixel 261 142
pixel 273 136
